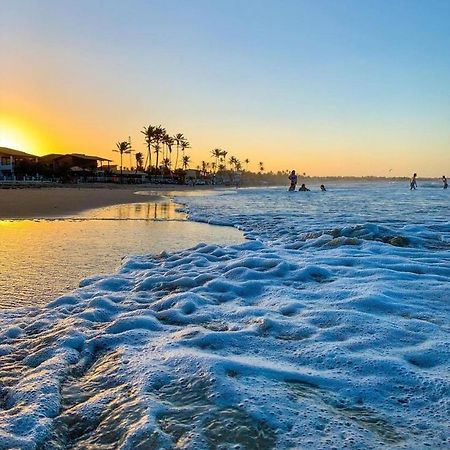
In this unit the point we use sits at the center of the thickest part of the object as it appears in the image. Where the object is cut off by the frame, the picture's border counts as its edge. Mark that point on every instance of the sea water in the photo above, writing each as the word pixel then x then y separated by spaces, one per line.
pixel 42 259
pixel 328 328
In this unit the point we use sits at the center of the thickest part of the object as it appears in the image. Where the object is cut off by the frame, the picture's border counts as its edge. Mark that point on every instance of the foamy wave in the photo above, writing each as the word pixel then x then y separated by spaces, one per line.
pixel 318 332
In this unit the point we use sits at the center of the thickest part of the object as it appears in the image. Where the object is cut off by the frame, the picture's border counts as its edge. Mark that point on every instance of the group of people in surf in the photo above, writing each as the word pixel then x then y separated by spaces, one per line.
pixel 413 182
pixel 293 178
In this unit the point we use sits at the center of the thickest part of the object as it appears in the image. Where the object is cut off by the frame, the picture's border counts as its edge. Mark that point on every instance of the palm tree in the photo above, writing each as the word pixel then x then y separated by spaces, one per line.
pixel 261 166
pixel 139 160
pixel 122 147
pixel 184 145
pixel 223 156
pixel 186 161
pixel 160 132
pixel 166 164
pixel 178 138
pixel 216 153
pixel 149 133
pixel 205 167
pixel 232 161
pixel 169 141
pixel 246 164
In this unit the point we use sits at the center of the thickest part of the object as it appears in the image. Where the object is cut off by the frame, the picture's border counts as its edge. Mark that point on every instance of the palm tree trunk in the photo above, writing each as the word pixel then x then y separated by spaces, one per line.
pixel 121 174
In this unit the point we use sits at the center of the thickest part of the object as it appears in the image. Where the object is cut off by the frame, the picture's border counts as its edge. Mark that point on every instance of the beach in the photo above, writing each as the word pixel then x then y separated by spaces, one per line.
pixel 326 327
pixel 54 237
pixel 39 202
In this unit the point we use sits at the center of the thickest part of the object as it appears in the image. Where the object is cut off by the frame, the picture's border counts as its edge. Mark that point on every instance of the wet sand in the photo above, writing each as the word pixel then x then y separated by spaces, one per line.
pixel 48 202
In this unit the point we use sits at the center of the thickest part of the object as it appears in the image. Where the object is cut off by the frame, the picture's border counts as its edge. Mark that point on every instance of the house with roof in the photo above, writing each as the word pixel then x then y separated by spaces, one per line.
pixel 14 161
pixel 73 167
pixel 73 162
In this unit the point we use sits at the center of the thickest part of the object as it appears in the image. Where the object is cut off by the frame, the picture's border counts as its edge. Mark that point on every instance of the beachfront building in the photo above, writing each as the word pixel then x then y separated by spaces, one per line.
pixel 113 175
pixel 14 163
pixel 74 167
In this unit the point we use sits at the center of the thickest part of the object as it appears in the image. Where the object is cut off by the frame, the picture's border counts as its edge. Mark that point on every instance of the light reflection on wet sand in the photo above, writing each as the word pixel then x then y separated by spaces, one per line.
pixel 41 259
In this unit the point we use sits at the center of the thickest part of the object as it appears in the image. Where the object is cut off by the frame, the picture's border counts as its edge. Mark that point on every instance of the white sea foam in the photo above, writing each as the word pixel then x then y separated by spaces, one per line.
pixel 327 329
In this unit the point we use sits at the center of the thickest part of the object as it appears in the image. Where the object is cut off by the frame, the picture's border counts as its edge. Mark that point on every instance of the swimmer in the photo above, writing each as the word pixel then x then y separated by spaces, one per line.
pixel 322 188
pixel 444 180
pixel 413 183
pixel 293 179
pixel 303 188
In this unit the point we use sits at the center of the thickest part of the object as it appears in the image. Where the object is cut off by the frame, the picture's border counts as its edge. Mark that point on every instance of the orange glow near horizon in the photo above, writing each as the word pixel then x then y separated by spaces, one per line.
pixel 18 135
pixel 306 153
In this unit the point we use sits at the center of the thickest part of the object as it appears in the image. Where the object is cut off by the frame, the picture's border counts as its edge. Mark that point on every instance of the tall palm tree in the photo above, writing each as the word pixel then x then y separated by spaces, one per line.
pixel 160 132
pixel 178 138
pixel 149 133
pixel 123 147
pixel 186 160
pixel 216 153
pixel 246 160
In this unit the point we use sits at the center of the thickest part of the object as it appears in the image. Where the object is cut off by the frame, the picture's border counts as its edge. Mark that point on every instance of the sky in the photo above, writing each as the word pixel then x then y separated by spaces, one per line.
pixel 341 87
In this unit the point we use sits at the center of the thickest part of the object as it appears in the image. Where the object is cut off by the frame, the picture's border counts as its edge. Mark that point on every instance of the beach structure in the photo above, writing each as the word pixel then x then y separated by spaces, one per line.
pixel 13 162
pixel 69 161
pixel 74 167
pixel 192 176
pixel 112 174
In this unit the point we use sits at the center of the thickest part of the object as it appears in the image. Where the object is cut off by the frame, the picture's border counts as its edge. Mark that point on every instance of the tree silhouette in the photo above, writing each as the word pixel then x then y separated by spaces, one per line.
pixel 123 147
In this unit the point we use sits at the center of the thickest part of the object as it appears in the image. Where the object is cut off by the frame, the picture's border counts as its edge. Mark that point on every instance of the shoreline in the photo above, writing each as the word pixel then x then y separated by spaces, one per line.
pixel 52 202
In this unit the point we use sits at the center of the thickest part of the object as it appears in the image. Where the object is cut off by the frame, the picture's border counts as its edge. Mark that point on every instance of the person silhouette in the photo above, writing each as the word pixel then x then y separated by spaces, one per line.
pixel 413 182
pixel 293 179
pixel 444 180
pixel 322 188
pixel 303 188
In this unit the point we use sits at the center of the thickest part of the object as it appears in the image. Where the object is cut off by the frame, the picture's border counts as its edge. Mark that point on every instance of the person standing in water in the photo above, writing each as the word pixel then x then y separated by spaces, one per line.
pixel 413 183
pixel 322 188
pixel 293 179
pixel 444 180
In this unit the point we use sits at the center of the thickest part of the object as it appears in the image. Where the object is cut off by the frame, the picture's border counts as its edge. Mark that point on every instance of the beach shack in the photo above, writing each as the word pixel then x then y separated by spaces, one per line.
pixel 14 162
pixel 74 167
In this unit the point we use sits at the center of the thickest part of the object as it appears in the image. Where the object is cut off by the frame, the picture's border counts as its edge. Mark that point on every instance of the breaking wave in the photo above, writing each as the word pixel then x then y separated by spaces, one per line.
pixel 328 328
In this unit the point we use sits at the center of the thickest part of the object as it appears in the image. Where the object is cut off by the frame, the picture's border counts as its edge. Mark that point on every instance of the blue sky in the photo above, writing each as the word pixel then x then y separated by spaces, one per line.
pixel 322 86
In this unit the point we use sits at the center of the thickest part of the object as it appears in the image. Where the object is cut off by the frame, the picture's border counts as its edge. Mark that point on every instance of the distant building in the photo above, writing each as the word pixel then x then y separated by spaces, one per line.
pixel 13 160
pixel 74 162
pixel 191 176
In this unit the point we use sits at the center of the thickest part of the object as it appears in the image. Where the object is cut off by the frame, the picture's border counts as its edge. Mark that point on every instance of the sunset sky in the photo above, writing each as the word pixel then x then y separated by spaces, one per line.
pixel 325 87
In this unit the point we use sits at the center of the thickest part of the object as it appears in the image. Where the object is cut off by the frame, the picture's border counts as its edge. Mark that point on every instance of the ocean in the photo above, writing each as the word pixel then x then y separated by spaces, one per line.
pixel 327 328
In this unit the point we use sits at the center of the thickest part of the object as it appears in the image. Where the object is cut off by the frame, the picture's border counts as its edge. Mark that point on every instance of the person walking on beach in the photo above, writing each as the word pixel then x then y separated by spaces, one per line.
pixel 413 183
pixel 293 179
pixel 444 180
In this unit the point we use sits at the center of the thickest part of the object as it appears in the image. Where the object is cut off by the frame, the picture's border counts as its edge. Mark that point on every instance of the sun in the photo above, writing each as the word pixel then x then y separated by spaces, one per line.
pixel 16 135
